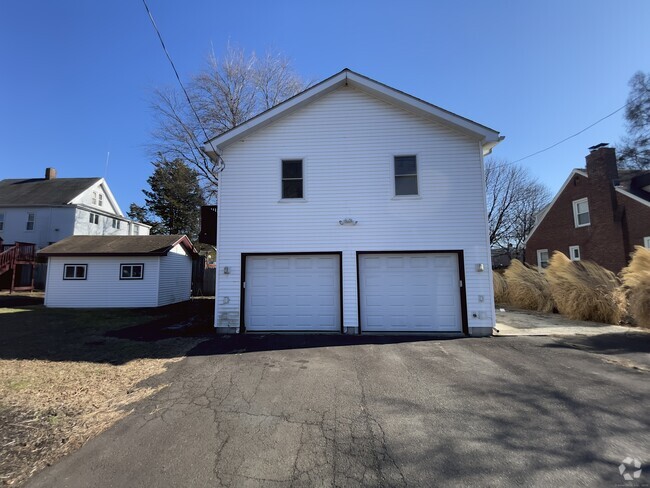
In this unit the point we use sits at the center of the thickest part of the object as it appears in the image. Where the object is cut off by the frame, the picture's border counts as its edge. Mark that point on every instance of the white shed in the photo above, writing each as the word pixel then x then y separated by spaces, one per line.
pixel 118 271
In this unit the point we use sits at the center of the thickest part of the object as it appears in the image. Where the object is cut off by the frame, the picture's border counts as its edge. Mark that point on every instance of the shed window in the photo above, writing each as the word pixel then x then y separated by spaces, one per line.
pixel 136 229
pixel 406 175
pixel 74 271
pixel 292 178
pixel 581 213
pixel 131 271
pixel 31 218
pixel 542 258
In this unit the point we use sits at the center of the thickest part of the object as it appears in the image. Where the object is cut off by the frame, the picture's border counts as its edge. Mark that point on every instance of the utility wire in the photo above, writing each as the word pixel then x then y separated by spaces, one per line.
pixel 189 101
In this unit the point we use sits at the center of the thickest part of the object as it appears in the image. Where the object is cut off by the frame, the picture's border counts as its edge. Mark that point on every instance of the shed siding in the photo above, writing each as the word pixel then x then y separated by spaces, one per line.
pixel 175 276
pixel 347 140
pixel 103 287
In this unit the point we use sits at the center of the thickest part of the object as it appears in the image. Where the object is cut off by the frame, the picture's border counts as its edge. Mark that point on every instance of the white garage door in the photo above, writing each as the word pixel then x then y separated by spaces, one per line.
pixel 292 293
pixel 409 292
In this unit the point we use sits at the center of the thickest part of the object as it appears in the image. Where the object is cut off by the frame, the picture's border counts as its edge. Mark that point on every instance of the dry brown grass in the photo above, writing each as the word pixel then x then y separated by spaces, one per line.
pixel 528 288
pixel 636 286
pixel 500 288
pixel 583 290
pixel 63 380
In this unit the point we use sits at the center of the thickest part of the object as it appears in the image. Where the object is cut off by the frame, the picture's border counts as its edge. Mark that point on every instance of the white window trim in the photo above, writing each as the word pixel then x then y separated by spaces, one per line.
pixel 575 212
pixel 304 180
pixel 393 176
pixel 131 265
pixel 571 253
pixel 66 266
pixel 646 242
pixel 539 257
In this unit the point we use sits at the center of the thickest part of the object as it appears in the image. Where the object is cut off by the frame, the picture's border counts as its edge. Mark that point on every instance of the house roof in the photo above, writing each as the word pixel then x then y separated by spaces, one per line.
pixel 41 191
pixel 156 245
pixel 488 137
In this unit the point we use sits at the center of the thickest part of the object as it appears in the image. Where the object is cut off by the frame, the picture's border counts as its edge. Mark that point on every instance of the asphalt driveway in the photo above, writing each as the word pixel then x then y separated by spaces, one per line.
pixel 336 411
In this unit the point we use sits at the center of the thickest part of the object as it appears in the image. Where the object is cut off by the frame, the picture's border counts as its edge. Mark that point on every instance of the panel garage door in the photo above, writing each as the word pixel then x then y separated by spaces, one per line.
pixel 409 292
pixel 293 293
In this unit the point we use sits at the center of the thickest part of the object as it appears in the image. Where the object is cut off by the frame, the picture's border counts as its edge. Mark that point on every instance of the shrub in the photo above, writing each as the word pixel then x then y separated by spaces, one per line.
pixel 500 288
pixel 636 284
pixel 583 290
pixel 528 288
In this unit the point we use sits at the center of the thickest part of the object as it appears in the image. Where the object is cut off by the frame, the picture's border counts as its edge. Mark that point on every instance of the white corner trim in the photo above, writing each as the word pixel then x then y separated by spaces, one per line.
pixel 489 137
pixel 557 195
pixel 632 196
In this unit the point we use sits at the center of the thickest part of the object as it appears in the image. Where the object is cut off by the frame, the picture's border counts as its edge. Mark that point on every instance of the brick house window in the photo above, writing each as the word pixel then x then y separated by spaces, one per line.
pixel 574 253
pixel 542 258
pixel 646 242
pixel 581 213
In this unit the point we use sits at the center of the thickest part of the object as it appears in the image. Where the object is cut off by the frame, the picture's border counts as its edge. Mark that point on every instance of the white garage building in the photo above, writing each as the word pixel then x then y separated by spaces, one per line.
pixel 118 271
pixel 356 208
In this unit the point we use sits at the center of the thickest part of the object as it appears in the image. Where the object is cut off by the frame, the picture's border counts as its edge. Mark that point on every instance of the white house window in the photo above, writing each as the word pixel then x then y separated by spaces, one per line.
pixel 2 221
pixel 74 271
pixel 131 271
pixel 542 258
pixel 574 253
pixel 31 219
pixel 406 175
pixel 116 224
pixel 94 218
pixel 292 179
pixel 646 241
pixel 94 199
pixel 581 213
pixel 100 200
pixel 136 229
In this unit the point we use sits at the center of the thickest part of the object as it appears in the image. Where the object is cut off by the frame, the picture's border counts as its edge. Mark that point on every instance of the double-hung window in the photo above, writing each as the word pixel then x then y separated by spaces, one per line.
pixel 31 219
pixel 542 258
pixel 581 213
pixel 131 271
pixel 94 198
pixel 116 224
pixel 74 271
pixel 100 199
pixel 574 253
pixel 292 179
pixel 406 175
pixel 2 221
pixel 94 218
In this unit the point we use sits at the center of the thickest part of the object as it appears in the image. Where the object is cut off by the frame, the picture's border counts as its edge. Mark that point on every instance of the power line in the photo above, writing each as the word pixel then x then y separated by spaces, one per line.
pixel 189 101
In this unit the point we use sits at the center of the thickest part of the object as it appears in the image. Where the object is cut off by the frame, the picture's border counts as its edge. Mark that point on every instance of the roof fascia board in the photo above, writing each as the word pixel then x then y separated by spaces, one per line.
pixel 633 196
pixel 557 195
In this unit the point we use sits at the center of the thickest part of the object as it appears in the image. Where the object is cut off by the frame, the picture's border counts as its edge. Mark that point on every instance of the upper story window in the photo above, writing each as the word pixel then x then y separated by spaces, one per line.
pixel 292 179
pixel 74 271
pixel 94 218
pixel 2 221
pixel 94 198
pixel 100 199
pixel 542 258
pixel 116 224
pixel 406 175
pixel 31 220
pixel 574 253
pixel 581 213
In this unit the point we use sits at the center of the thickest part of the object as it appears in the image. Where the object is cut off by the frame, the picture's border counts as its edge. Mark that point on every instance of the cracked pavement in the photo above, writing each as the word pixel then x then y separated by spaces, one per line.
pixel 293 411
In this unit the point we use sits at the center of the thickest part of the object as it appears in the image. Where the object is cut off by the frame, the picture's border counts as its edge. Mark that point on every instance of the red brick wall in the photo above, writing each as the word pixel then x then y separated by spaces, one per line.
pixel 617 222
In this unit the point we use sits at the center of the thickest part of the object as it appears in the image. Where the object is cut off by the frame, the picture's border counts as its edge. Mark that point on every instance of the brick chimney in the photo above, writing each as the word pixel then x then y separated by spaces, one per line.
pixel 50 173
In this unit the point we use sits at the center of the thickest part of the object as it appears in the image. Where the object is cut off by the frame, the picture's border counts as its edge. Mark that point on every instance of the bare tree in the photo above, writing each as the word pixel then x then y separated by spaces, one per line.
pixel 226 93
pixel 634 150
pixel 514 197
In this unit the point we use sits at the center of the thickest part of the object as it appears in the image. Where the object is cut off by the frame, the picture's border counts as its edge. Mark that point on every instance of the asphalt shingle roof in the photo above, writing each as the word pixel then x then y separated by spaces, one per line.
pixel 40 191
pixel 156 245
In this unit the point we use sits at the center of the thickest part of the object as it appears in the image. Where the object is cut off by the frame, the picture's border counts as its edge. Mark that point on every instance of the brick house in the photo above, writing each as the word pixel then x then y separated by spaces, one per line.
pixel 599 214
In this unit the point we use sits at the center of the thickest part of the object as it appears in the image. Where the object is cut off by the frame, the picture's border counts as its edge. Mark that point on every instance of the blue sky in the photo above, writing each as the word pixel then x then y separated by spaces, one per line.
pixel 76 77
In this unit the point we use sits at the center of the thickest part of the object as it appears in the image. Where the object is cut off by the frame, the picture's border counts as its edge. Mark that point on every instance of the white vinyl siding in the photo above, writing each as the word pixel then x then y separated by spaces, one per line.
pixel 175 276
pixel 102 287
pixel 349 140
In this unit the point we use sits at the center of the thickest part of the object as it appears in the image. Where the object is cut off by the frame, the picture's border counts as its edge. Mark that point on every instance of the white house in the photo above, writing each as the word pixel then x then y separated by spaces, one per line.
pixel 354 207
pixel 118 271
pixel 42 211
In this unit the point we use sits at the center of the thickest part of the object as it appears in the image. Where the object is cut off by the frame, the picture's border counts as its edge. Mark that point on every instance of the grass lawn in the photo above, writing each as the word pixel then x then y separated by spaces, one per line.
pixel 67 375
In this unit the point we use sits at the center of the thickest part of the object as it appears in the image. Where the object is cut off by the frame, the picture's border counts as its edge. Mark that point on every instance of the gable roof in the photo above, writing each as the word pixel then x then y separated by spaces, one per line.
pixel 41 191
pixel 488 137
pixel 156 245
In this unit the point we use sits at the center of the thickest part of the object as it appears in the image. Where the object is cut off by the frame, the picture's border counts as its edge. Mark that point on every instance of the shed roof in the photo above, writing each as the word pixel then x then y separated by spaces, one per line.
pixel 41 191
pixel 156 245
